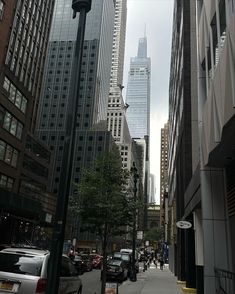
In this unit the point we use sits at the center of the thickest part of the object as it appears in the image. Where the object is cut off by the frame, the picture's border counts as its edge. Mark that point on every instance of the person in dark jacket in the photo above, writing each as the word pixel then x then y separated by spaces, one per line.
pixel 161 263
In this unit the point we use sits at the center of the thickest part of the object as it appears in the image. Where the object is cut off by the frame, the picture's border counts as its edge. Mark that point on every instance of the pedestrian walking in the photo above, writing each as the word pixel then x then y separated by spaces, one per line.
pixel 161 263
pixel 155 262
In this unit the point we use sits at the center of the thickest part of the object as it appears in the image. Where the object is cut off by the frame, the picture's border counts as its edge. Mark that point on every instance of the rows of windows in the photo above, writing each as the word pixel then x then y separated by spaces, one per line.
pixel 8 154
pixel 28 41
pixel 6 182
pixel 10 123
pixel 14 95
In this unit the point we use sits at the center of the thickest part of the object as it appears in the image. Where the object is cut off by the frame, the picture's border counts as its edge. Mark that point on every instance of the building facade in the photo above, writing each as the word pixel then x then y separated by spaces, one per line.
pixel 138 92
pixel 93 84
pixel 183 136
pixel 152 189
pixel 116 120
pixel 201 158
pixel 92 136
pixel 163 167
pixel 216 113
pixel 164 179
pixel 24 161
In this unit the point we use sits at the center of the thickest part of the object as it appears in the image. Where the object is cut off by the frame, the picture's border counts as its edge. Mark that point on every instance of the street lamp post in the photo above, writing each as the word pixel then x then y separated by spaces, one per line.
pixel 133 269
pixel 54 266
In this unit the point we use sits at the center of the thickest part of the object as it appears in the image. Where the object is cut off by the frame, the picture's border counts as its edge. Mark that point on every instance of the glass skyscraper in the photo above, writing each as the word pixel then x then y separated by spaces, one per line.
pixel 93 86
pixel 138 92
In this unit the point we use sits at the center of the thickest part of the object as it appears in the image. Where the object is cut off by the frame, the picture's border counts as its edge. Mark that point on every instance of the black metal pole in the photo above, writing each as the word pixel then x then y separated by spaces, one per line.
pixel 133 277
pixel 54 266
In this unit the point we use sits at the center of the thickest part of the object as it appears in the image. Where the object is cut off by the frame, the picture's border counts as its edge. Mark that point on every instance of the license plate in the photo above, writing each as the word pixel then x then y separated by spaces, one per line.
pixel 9 286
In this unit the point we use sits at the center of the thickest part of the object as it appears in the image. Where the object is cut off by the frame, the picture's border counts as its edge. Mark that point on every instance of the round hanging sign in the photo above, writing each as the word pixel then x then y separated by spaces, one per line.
pixel 183 224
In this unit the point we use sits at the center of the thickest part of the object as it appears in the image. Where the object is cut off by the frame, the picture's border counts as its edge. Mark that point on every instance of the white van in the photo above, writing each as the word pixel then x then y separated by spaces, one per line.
pixel 129 251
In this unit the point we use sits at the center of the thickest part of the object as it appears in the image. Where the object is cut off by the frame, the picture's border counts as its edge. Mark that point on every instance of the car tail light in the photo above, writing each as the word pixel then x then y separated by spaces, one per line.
pixel 41 286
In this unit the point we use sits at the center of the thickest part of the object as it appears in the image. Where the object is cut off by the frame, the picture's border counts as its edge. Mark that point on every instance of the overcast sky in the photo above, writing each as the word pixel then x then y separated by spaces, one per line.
pixel 157 16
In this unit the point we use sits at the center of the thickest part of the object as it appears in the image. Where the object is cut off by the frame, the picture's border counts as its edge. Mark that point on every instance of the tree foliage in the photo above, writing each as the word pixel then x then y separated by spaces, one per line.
pixel 104 205
pixel 154 234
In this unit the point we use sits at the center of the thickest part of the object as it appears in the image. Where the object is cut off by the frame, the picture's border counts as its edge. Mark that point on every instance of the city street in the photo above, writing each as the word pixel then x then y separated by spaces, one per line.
pixel 91 282
pixel 151 281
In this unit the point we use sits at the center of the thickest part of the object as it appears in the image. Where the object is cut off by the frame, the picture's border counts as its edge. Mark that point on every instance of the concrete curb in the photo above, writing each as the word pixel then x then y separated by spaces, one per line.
pixel 188 290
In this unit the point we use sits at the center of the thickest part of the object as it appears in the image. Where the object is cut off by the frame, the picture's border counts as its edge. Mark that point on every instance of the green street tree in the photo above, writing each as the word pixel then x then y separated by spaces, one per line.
pixel 103 204
pixel 154 234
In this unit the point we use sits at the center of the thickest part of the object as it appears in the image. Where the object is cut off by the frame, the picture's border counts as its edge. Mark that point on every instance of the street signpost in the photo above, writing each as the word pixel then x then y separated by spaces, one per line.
pixel 111 288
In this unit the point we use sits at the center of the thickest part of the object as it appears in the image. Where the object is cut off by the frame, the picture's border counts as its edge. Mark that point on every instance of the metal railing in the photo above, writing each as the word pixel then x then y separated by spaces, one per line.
pixel 225 281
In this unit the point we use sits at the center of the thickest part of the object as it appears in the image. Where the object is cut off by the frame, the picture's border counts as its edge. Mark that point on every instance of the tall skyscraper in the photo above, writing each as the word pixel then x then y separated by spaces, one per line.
pixel 92 137
pixel 164 166
pixel 138 112
pixel 116 119
pixel 152 189
pixel 138 92
pixel 119 36
pixel 24 161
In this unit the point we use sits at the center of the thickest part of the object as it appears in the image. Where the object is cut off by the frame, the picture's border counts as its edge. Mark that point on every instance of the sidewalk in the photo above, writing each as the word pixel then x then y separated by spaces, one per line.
pixel 152 281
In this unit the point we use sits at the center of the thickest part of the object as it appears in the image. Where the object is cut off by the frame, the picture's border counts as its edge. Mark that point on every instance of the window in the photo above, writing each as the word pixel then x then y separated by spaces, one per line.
pixel 6 182
pixel 8 154
pixel 12 125
pixel 14 95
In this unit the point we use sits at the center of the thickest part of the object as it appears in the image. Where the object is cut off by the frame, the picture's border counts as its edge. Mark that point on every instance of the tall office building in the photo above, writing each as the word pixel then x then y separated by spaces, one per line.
pixel 138 112
pixel 24 161
pixel 138 92
pixel 119 36
pixel 92 136
pixel 152 189
pixel 164 180
pixel 201 145
pixel 116 119
pixel 164 167
pixel 183 137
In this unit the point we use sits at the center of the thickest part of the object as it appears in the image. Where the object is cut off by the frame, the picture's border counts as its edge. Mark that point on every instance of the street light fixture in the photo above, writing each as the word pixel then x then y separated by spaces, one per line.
pixel 134 171
pixel 54 266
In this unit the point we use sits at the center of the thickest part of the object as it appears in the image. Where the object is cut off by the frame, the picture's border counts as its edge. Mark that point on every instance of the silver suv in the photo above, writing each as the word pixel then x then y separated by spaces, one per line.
pixel 24 271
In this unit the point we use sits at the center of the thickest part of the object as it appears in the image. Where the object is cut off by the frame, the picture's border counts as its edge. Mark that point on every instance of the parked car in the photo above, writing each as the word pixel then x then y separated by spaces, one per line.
pixel 97 260
pixel 79 264
pixel 87 262
pixel 24 271
pixel 127 259
pixel 137 255
pixel 117 270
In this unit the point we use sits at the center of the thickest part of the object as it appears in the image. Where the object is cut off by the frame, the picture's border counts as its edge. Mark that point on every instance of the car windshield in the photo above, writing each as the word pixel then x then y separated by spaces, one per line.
pixel 117 255
pixel 125 257
pixel 115 262
pixel 21 264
